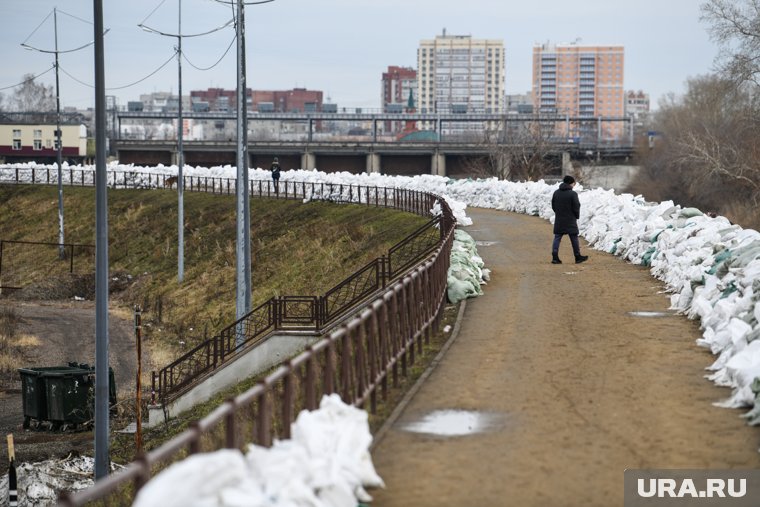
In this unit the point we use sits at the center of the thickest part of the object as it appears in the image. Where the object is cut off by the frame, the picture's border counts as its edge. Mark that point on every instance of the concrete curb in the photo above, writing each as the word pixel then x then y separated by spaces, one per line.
pixel 377 437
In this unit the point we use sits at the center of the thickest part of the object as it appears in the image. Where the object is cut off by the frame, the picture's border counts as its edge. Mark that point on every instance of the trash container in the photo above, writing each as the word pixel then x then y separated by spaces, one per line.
pixel 33 394
pixel 111 381
pixel 62 395
pixel 69 392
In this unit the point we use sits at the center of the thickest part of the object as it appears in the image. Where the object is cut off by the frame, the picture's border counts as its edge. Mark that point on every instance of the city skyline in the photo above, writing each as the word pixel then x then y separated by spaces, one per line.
pixel 341 47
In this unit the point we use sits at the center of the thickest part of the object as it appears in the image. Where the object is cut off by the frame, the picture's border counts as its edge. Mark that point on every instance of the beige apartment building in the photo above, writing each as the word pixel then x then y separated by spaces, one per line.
pixel 581 81
pixel 459 74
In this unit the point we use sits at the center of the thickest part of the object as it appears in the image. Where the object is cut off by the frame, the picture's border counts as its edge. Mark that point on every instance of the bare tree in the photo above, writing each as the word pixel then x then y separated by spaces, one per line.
pixel 518 154
pixel 735 26
pixel 708 156
pixel 33 97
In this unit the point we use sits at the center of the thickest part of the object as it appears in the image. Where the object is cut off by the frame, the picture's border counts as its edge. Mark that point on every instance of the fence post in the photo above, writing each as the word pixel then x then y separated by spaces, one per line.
pixel 71 260
pixel 287 402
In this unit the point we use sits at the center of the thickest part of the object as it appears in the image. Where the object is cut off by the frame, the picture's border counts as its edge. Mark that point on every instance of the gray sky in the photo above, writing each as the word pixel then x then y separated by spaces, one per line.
pixel 340 46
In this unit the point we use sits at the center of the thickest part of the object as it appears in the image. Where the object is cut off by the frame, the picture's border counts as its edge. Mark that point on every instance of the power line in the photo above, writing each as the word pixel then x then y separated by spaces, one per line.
pixel 125 86
pixel 38 27
pixel 27 80
pixel 151 12
pixel 75 17
pixel 215 63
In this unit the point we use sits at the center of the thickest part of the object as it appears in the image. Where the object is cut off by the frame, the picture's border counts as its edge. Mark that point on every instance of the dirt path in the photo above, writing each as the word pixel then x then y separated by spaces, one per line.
pixel 66 331
pixel 578 388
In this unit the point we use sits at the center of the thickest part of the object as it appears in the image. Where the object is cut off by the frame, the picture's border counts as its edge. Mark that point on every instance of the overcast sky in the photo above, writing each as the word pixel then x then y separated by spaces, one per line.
pixel 340 47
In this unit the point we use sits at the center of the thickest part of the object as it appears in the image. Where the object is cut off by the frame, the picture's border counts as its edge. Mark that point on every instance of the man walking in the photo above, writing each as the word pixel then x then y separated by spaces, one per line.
pixel 567 211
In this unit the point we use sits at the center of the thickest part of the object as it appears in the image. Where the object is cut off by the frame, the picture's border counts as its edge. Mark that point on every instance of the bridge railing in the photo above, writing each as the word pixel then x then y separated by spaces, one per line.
pixel 360 359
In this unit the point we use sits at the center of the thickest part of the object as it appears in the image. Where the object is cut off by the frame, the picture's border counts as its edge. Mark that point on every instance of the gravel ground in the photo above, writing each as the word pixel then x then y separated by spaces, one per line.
pixel 66 332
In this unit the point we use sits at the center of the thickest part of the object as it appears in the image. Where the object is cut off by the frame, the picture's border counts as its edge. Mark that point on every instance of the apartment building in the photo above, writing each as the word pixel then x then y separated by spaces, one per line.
pixel 459 74
pixel 581 81
pixel 297 100
pixel 397 85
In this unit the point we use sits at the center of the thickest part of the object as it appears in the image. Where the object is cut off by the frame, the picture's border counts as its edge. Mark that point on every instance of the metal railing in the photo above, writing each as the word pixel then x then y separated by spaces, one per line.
pixel 358 360
pixel 313 313
pixel 69 251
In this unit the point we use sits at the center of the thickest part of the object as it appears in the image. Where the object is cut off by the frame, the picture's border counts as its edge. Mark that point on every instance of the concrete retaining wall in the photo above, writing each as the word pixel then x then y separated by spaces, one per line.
pixel 265 355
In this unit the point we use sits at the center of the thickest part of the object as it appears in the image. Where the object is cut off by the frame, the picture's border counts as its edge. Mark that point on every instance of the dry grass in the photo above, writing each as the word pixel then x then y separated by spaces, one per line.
pixel 14 346
pixel 297 249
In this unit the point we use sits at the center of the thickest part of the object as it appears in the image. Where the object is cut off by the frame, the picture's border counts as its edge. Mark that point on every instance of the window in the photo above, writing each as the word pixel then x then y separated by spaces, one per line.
pixel 48 143
pixel 38 134
pixel 17 144
pixel 38 144
pixel 16 133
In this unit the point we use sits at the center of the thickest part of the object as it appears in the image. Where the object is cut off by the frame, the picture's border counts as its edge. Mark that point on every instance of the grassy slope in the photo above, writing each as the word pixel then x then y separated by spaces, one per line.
pixel 298 249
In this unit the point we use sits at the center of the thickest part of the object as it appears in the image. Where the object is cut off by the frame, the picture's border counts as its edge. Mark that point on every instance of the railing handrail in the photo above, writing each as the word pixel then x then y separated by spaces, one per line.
pixel 323 319
pixel 357 360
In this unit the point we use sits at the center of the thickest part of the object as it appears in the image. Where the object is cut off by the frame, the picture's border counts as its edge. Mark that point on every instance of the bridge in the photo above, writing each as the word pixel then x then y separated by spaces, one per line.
pixel 450 149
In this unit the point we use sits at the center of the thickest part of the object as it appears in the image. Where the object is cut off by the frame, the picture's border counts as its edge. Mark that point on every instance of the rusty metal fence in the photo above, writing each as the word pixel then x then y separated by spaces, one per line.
pixel 13 276
pixel 360 360
pixel 308 313
pixel 402 297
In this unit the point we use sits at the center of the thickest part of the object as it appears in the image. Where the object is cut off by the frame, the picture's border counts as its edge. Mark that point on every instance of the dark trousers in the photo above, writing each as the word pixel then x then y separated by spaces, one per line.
pixel 573 241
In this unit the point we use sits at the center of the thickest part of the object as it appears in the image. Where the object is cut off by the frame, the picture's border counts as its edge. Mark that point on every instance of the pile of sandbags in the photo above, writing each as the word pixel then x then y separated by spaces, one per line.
pixel 326 463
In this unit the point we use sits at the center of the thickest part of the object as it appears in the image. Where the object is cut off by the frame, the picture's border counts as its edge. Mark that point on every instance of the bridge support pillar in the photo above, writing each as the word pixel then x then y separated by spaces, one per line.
pixel 308 161
pixel 567 166
pixel 373 162
pixel 438 164
pixel 175 157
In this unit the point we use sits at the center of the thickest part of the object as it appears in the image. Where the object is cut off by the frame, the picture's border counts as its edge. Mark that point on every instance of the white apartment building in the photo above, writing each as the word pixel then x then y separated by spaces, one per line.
pixel 459 74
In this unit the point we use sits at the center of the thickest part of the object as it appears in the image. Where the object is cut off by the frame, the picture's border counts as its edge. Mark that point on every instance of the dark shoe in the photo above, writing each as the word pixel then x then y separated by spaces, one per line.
pixel 581 258
pixel 555 259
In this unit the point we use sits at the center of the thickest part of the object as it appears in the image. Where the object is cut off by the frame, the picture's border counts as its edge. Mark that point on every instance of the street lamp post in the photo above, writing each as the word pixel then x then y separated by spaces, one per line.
pixel 180 135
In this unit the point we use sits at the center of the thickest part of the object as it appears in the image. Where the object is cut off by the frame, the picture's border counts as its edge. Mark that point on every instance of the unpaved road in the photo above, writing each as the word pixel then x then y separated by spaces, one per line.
pixel 66 332
pixel 579 388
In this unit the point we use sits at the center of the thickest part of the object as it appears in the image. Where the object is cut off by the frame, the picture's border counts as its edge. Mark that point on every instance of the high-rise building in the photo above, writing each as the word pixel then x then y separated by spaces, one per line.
pixel 397 82
pixel 397 85
pixel 581 81
pixel 459 74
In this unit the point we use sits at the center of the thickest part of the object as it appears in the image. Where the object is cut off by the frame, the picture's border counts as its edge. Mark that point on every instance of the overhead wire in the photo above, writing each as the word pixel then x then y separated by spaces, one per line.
pixel 184 55
pixel 28 79
pixel 127 85
pixel 38 27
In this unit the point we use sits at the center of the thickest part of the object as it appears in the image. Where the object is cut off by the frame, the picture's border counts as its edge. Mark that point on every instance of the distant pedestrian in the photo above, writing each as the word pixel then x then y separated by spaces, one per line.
pixel 567 211
pixel 276 175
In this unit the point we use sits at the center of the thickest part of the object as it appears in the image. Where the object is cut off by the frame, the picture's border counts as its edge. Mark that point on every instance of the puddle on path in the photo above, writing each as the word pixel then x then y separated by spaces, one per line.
pixel 650 314
pixel 455 423
pixel 486 243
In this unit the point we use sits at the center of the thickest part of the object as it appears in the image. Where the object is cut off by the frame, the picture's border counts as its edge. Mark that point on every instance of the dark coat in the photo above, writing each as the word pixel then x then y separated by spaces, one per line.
pixel 567 210
pixel 275 171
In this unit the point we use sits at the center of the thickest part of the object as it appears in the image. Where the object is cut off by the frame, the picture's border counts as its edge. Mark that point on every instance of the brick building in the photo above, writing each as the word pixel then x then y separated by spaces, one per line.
pixel 298 100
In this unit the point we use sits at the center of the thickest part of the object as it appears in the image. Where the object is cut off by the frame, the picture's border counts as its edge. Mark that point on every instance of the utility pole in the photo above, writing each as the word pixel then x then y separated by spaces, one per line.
pixel 180 160
pixel 180 133
pixel 59 145
pixel 102 455
pixel 243 236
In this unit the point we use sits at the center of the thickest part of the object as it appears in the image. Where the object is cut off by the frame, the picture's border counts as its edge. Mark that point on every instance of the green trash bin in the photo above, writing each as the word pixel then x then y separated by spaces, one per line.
pixel 33 394
pixel 111 381
pixel 69 392
pixel 61 395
